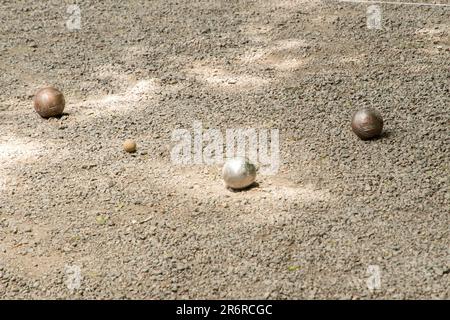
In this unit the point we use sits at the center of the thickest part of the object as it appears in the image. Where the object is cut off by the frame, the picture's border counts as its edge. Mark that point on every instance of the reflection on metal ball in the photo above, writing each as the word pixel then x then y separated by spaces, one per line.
pixel 367 124
pixel 49 102
pixel 238 173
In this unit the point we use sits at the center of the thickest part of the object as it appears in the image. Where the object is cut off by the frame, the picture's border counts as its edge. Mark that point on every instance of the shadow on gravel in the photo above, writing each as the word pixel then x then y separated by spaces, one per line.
pixel 254 185
pixel 64 114
pixel 384 135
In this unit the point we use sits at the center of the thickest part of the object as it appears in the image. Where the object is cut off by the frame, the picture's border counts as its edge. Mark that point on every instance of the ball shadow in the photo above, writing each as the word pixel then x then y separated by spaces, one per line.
pixel 383 135
pixel 59 117
pixel 250 187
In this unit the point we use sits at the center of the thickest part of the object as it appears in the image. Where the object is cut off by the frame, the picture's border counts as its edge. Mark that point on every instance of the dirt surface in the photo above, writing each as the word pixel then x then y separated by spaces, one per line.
pixel 137 226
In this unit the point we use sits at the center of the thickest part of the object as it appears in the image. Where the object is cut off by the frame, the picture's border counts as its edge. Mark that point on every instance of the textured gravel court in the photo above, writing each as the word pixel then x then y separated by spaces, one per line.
pixel 342 218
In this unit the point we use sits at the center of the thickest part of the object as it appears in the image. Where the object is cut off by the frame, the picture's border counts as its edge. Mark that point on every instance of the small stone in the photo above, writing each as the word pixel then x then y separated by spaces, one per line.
pixel 101 220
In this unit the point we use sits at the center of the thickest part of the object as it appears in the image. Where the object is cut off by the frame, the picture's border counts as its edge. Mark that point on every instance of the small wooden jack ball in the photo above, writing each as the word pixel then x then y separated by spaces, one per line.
pixel 129 146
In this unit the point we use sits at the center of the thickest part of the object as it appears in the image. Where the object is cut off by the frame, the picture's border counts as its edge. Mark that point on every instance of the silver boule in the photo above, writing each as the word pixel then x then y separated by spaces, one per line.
pixel 238 173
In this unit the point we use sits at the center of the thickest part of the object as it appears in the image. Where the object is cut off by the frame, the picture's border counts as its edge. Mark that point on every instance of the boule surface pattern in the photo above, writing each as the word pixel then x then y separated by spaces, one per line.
pixel 49 102
pixel 367 124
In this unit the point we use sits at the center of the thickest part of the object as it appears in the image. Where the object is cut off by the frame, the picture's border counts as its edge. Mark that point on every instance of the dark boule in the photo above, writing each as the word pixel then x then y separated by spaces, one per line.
pixel 367 123
pixel 49 102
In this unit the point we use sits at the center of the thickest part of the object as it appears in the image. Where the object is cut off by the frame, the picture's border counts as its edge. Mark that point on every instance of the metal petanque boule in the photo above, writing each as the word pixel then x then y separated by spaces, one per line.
pixel 367 124
pixel 238 173
pixel 49 102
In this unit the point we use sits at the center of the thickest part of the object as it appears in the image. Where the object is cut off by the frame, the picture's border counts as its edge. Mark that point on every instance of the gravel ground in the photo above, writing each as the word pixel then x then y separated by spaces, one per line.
pixel 138 226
